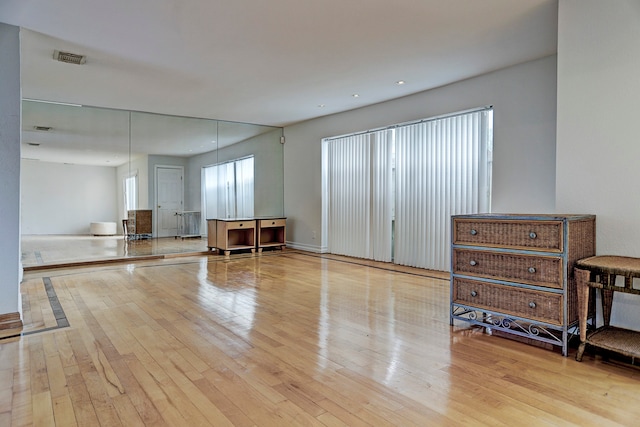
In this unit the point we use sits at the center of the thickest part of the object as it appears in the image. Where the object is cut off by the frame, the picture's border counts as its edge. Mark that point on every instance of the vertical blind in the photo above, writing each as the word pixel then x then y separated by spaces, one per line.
pixel 360 187
pixel 391 193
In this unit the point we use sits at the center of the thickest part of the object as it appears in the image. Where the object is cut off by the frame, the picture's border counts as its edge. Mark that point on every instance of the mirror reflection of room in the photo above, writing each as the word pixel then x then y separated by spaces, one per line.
pixel 101 184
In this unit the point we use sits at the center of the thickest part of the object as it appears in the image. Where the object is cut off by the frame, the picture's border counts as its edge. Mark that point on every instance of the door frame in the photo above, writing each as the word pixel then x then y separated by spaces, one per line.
pixel 155 184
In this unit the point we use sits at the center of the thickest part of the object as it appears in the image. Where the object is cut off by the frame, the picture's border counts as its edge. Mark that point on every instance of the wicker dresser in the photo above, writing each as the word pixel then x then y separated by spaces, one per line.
pixel 514 273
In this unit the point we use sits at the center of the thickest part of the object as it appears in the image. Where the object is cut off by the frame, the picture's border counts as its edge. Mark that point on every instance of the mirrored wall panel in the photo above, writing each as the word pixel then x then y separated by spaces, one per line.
pixel 100 183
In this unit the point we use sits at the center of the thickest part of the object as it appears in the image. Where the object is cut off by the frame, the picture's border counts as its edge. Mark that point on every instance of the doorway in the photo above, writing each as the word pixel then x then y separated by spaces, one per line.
pixel 169 199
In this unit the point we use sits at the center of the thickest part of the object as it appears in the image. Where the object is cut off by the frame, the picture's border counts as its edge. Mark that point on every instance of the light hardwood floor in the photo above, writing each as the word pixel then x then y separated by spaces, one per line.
pixel 282 339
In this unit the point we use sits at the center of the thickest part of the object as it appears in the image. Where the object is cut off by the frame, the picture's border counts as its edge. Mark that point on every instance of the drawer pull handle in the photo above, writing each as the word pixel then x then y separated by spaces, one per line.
pixel 532 270
pixel 473 232
pixel 474 294
pixel 273 222
pixel 532 304
pixel 240 225
pixel 533 235
pixel 473 263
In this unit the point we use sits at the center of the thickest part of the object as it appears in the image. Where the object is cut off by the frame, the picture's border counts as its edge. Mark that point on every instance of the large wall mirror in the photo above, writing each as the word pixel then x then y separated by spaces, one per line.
pixel 85 169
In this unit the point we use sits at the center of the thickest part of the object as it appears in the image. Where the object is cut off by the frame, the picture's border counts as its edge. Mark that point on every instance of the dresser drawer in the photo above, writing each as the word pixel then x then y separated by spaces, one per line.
pixel 530 304
pixel 535 235
pixel 529 269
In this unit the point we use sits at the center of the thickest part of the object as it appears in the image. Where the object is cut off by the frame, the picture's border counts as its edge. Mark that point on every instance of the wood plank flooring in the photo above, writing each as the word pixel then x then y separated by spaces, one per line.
pixel 283 339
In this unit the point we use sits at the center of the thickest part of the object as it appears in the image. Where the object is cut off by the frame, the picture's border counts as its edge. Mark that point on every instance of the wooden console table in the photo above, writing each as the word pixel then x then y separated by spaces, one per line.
pixel 231 234
pixel 600 272
pixel 271 233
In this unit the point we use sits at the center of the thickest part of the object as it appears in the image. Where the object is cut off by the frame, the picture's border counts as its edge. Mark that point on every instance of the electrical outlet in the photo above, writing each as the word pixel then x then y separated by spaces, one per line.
pixel 313 235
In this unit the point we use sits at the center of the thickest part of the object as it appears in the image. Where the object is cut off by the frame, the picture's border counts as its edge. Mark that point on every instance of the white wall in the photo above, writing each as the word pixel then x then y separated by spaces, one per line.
pixel 524 100
pixel 598 146
pixel 64 199
pixel 10 110
pixel 598 106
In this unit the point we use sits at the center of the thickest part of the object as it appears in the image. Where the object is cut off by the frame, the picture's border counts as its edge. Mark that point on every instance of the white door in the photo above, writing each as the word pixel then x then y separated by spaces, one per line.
pixel 169 192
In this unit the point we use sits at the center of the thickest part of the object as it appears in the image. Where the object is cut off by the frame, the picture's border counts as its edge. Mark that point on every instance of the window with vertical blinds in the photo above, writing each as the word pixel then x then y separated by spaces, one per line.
pixel 228 189
pixel 130 192
pixel 389 194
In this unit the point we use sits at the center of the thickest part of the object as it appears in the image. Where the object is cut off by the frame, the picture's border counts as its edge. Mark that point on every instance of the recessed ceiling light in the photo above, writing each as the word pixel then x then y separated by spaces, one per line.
pixel 321 105
pixel 355 95
pixel 400 82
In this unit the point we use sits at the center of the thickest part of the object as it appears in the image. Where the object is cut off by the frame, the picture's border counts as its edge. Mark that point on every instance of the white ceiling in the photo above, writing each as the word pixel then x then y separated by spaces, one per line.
pixel 268 62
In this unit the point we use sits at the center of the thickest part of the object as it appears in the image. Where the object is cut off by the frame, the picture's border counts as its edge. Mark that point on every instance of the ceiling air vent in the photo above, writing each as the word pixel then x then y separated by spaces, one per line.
pixel 42 128
pixel 69 58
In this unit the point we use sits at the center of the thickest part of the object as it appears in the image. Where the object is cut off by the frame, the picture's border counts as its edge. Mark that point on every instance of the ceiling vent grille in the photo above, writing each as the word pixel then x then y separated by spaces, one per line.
pixel 42 128
pixel 69 58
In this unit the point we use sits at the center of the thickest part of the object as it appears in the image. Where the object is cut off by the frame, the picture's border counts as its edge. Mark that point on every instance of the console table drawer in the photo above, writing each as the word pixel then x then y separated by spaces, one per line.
pixel 238 225
pixel 281 222
pixel 529 269
pixel 539 235
pixel 530 304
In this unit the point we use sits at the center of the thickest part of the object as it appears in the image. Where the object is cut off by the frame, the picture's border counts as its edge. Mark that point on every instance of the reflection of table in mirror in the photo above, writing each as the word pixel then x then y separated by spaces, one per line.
pixel 271 233
pixel 231 234
pixel 600 272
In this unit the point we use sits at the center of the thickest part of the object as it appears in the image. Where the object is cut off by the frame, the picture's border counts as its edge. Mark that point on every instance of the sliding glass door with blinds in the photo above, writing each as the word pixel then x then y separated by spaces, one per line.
pixel 360 207
pixel 390 193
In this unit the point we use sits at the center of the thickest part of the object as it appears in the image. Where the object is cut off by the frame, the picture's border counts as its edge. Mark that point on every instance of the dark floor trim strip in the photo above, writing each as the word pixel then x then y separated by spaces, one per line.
pixel 56 307
pixel 38 331
pixel 329 257
pixel 58 312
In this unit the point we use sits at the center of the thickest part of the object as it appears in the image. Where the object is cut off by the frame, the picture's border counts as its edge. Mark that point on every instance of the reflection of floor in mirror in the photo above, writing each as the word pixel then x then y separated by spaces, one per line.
pixel 62 249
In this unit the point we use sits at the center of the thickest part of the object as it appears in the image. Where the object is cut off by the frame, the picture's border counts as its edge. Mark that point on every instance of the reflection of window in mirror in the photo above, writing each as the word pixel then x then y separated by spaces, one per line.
pixel 228 189
pixel 130 194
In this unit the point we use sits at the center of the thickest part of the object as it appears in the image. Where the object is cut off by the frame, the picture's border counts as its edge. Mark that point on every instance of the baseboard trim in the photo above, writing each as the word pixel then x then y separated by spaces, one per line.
pixel 308 248
pixel 10 324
